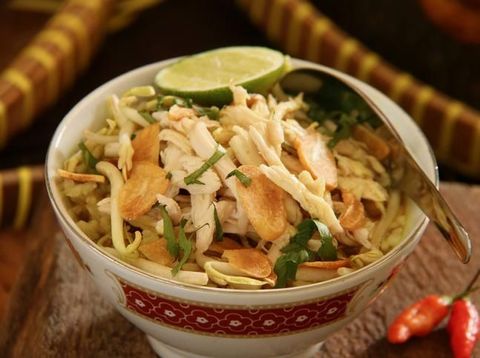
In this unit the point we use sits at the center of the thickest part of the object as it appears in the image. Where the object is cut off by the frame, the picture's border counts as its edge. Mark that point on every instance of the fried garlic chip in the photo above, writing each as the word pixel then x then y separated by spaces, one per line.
pixel 146 144
pixel 373 209
pixel 226 244
pixel 317 158
pixel 263 202
pixel 156 251
pixel 375 145
pixel 81 177
pixel 327 265
pixel 354 215
pixel 139 192
pixel 252 262
pixel 319 271
pixel 223 274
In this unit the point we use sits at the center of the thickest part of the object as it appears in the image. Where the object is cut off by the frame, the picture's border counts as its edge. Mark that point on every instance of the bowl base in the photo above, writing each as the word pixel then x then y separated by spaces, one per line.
pixel 167 351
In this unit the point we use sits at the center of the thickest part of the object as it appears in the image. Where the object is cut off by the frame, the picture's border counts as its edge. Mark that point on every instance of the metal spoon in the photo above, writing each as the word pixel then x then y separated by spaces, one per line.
pixel 333 91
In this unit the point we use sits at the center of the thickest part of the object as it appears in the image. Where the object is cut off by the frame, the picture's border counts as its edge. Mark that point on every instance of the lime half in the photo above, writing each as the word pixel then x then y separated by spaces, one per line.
pixel 206 77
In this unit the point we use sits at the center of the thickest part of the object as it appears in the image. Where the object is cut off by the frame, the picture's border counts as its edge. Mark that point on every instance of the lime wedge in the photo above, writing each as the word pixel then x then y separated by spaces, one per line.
pixel 206 77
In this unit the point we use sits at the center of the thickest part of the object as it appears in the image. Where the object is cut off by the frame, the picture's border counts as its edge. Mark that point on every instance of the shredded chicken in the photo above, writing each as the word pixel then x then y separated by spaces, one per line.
pixel 176 113
pixel 202 218
pixel 244 148
pixel 169 135
pixel 259 105
pixel 239 116
pixel 134 116
pixel 363 188
pixel 127 127
pixel 267 151
pixel 210 180
pixel 171 206
pixel 240 95
pixel 204 146
pixel 239 184
pixel 316 206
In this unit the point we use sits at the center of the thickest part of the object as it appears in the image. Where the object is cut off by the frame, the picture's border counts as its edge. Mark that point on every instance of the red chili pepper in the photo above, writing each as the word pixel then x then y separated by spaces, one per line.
pixel 419 319
pixel 463 327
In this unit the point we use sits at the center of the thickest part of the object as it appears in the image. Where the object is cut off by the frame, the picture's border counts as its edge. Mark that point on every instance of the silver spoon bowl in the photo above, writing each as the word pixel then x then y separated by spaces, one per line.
pixel 334 93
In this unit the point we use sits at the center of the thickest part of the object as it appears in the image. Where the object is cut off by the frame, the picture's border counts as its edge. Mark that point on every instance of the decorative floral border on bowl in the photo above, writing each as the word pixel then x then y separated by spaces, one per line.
pixel 240 321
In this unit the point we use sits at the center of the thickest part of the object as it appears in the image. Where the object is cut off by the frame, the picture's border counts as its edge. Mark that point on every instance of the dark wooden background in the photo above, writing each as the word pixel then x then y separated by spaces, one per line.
pixel 398 30
pixel 173 28
pixel 401 33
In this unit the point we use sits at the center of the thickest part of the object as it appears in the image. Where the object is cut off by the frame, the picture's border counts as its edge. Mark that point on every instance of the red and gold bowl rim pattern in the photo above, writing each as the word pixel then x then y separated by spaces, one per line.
pixel 234 321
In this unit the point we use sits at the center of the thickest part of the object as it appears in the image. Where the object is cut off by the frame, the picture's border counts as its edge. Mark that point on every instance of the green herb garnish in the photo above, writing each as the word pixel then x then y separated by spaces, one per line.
pixel 169 233
pixel 165 102
pixel 304 233
pixel 316 112
pixel 218 225
pixel 211 112
pixel 245 180
pixel 169 175
pixel 344 129
pixel 286 266
pixel 297 251
pixel 326 252
pixel 185 245
pixel 133 136
pixel 338 103
pixel 193 177
pixel 148 117
pixel 88 158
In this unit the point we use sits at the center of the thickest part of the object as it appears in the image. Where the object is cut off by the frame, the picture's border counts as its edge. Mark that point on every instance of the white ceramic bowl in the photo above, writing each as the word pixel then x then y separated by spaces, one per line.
pixel 182 320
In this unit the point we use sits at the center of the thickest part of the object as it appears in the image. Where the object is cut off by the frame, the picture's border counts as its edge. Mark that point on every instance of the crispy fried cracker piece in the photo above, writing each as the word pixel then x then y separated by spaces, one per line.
pixel 253 262
pixel 156 251
pixel 176 113
pixel 81 177
pixel 291 163
pixel 317 158
pixel 139 192
pixel 327 265
pixel 226 244
pixel 146 144
pixel 263 202
pixel 375 145
pixel 354 215
pixel 372 209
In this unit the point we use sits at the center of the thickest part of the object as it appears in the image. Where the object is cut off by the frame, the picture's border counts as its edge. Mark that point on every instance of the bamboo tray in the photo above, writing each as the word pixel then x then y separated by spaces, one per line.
pixel 55 310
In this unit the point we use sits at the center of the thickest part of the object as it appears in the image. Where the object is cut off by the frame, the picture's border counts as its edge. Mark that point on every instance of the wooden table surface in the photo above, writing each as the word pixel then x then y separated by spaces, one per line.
pixel 55 309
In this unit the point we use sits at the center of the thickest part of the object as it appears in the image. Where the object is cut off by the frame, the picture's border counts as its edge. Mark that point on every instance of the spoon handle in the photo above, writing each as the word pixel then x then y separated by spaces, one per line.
pixel 417 186
pixel 422 191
